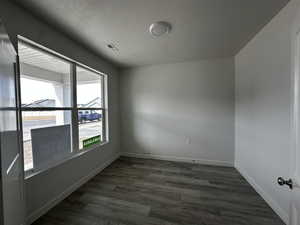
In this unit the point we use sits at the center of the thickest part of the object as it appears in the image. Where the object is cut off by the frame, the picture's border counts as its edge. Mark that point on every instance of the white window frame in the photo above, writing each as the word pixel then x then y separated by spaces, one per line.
pixel 75 151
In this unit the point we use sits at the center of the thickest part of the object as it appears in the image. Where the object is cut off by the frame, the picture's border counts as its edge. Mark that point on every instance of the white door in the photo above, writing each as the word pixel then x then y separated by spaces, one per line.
pixel 294 181
pixel 11 160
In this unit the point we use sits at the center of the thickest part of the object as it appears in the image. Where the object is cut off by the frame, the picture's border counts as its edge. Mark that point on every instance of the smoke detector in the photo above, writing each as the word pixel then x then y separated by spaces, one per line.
pixel 160 28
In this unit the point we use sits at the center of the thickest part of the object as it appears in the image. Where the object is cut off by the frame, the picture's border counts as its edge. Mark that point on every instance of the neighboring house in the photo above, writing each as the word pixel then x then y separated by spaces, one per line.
pixel 95 103
pixel 39 115
pixel 41 103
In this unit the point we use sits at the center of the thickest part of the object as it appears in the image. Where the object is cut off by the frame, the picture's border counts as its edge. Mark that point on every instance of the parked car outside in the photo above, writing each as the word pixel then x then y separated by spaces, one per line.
pixel 88 116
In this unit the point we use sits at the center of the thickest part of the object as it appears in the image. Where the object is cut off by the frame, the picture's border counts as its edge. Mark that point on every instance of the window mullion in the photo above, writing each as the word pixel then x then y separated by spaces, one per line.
pixel 103 110
pixel 32 109
pixel 75 130
pixel 105 106
pixel 88 108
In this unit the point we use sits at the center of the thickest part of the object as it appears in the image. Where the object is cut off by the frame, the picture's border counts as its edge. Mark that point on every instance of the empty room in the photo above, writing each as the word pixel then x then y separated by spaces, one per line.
pixel 150 112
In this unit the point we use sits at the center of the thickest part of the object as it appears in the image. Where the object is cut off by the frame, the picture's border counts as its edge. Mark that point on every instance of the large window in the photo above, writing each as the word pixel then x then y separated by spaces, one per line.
pixel 56 124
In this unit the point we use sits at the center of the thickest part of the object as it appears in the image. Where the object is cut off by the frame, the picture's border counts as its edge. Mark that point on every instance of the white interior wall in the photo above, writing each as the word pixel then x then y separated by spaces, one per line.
pixel 263 108
pixel 45 189
pixel 180 111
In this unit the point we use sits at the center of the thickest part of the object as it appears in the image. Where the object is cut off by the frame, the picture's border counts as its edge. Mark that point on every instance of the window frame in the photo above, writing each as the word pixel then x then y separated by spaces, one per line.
pixel 76 108
pixel 75 151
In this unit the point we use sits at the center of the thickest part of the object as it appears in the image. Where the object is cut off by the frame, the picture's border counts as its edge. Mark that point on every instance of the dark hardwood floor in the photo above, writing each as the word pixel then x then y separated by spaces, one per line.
pixel 152 192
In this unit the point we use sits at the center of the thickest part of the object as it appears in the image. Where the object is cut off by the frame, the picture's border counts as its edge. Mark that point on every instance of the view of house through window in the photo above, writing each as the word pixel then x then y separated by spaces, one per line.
pixel 46 104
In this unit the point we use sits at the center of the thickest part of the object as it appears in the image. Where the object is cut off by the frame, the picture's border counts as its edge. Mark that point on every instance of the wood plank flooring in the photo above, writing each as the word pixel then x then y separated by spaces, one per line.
pixel 135 191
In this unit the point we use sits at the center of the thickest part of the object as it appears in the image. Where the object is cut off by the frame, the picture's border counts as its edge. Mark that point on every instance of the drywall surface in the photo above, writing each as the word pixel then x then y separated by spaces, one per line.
pixel 49 186
pixel 182 111
pixel 263 108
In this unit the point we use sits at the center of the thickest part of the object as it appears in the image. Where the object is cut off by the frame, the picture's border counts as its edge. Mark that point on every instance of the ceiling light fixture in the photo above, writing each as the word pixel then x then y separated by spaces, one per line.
pixel 160 28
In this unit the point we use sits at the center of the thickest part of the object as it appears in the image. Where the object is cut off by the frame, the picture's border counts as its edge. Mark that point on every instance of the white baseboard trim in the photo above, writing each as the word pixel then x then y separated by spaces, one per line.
pixel 272 203
pixel 45 208
pixel 178 159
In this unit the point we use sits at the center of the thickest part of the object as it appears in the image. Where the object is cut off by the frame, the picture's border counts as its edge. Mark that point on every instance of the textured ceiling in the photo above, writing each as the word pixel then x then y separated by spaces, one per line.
pixel 202 29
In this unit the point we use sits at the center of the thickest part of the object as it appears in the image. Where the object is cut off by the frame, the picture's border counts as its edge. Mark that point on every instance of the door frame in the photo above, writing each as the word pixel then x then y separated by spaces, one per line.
pixel 295 108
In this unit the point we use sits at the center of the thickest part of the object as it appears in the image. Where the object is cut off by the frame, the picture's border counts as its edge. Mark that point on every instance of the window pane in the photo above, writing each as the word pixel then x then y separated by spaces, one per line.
pixel 90 127
pixel 89 89
pixel 46 137
pixel 45 79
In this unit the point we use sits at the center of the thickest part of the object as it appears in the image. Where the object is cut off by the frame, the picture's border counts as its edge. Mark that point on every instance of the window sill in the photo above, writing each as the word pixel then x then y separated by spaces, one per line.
pixel 31 173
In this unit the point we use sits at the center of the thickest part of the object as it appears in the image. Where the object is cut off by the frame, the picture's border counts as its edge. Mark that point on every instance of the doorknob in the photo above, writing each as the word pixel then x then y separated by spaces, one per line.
pixel 282 182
